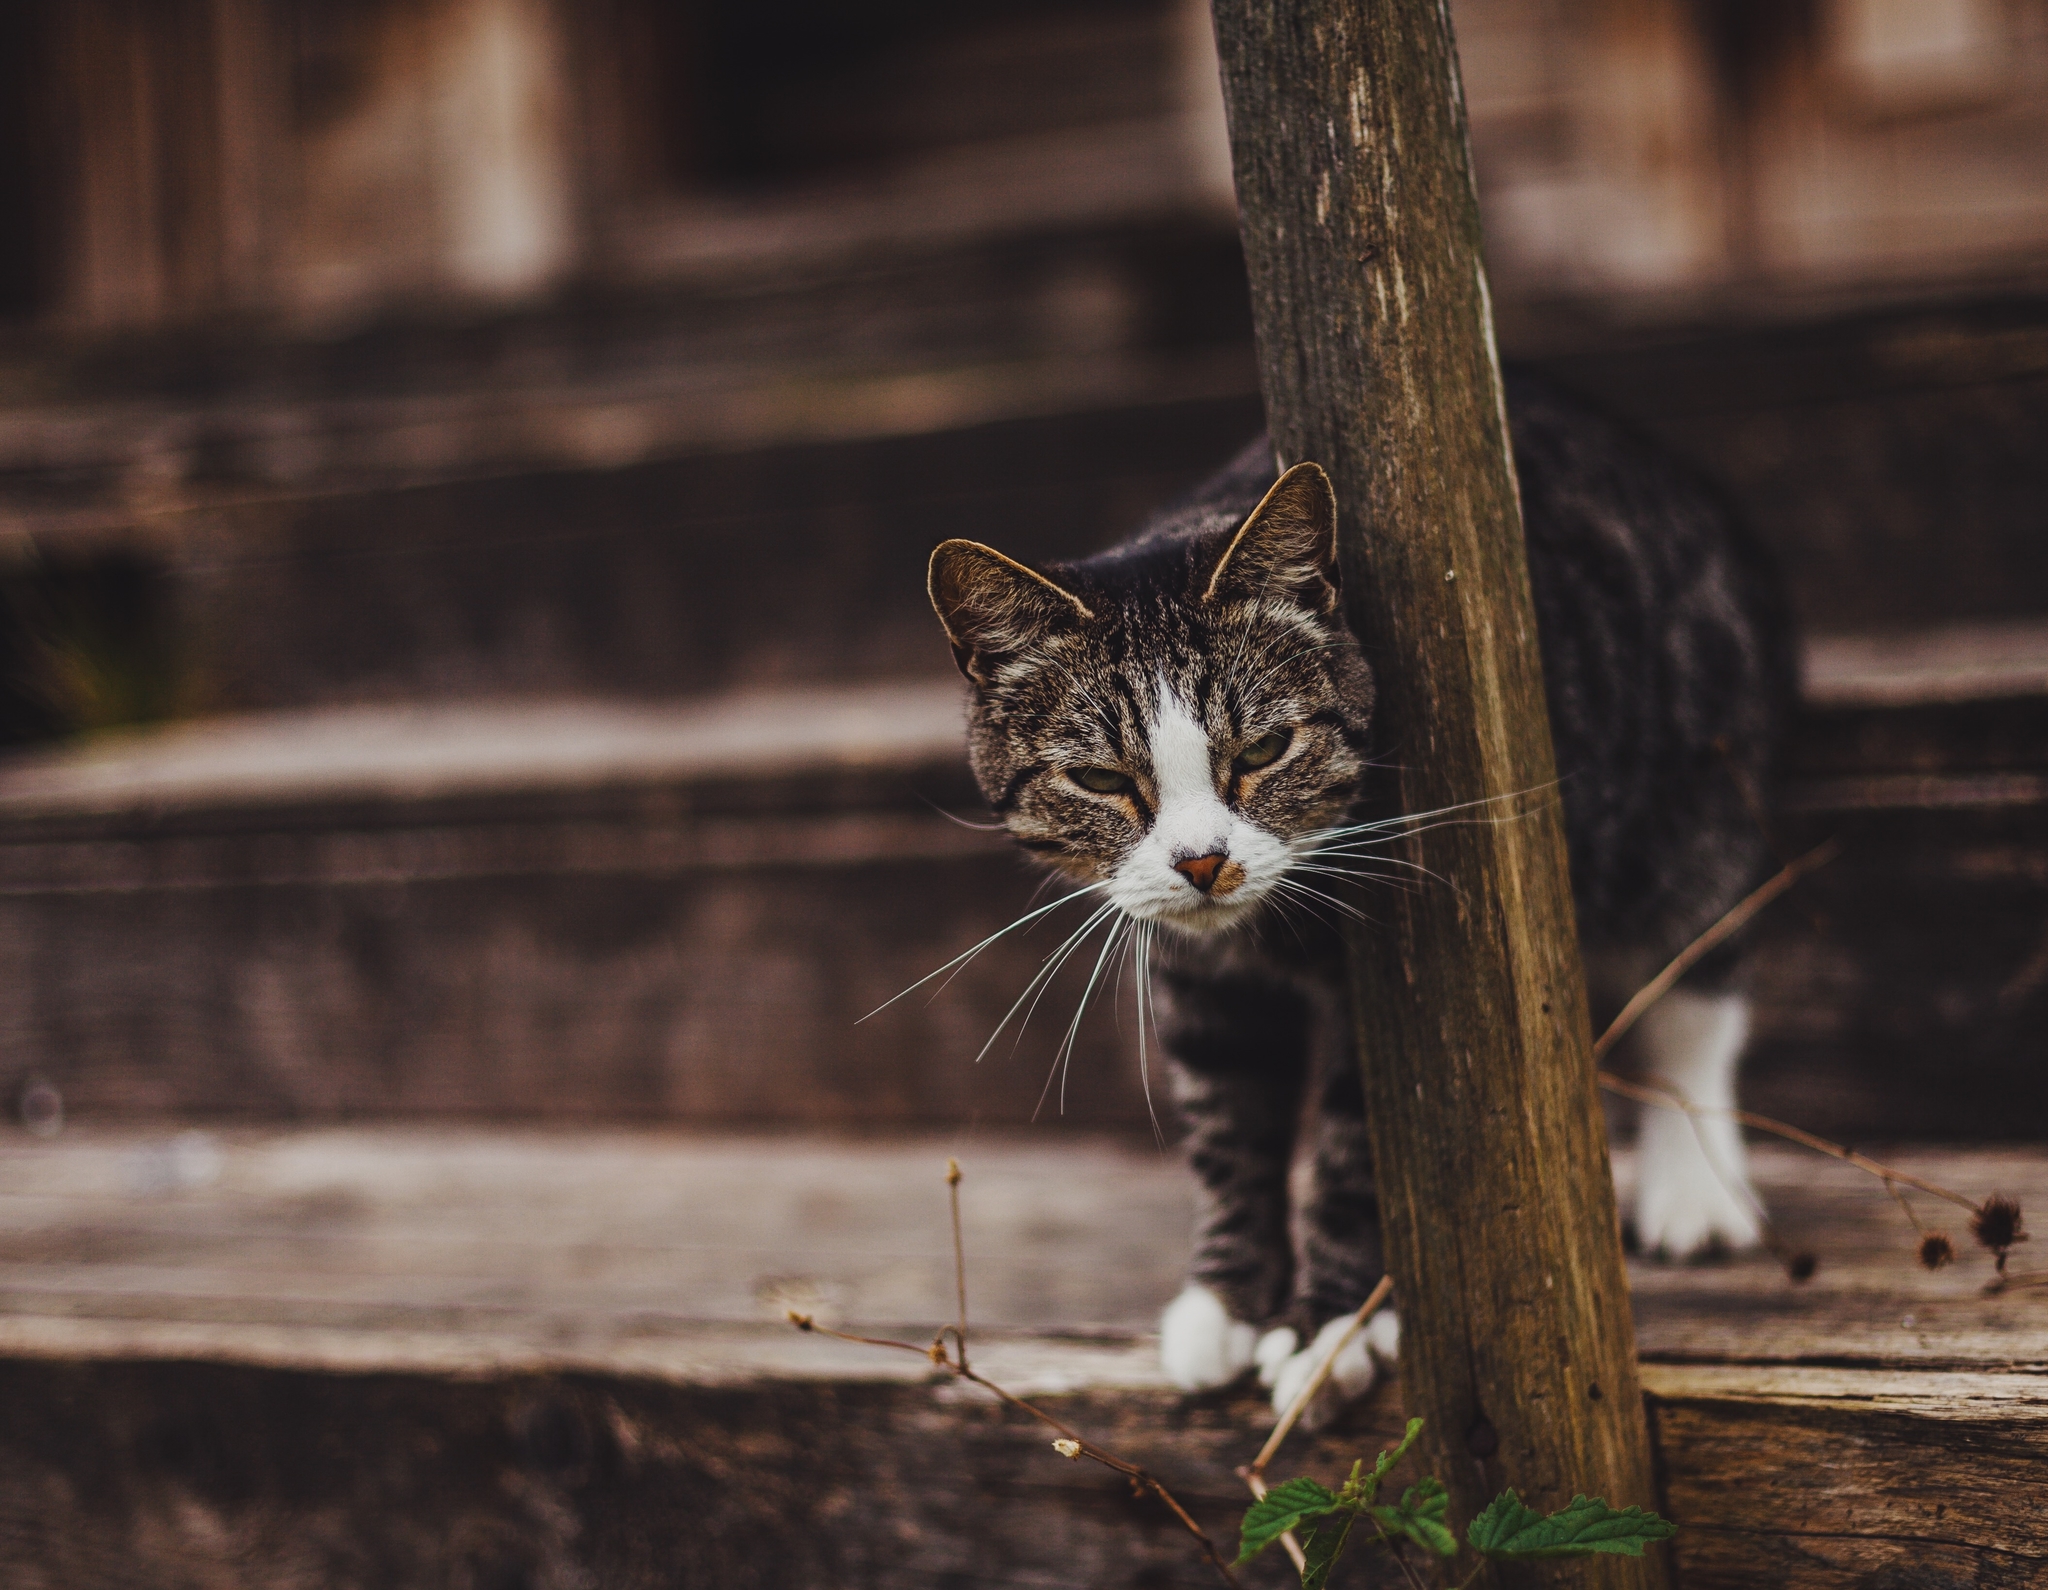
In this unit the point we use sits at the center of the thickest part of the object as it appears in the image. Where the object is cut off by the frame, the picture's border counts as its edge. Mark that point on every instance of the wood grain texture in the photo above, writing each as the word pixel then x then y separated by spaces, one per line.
pixel 1361 233
pixel 432 1356
pixel 1837 1478
pixel 443 1247
pixel 223 1474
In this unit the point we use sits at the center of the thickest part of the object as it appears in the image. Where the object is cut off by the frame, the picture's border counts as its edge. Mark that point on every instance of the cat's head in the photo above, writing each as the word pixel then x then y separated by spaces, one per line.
pixel 1172 718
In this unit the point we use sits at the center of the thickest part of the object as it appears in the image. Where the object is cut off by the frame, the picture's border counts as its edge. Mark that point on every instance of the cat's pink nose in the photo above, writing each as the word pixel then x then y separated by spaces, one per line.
pixel 1201 870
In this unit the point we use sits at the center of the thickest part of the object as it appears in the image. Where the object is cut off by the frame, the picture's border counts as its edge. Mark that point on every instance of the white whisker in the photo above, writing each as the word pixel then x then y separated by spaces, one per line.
pixel 1041 980
pixel 1406 821
pixel 1357 875
pixel 1142 949
pixel 960 961
pixel 1309 891
pixel 1063 1058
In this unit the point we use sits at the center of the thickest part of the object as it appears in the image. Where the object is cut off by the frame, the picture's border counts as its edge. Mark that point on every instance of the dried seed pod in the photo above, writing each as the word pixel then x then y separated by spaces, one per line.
pixel 1800 1266
pixel 1936 1250
pixel 1998 1224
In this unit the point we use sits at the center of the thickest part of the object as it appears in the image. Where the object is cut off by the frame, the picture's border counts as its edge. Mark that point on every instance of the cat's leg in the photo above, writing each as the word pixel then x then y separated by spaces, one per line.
pixel 1692 1180
pixel 1237 1050
pixel 1341 1255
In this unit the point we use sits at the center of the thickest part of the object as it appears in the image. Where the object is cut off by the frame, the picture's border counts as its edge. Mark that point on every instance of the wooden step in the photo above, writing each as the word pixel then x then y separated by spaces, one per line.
pixel 583 499
pixel 646 495
pixel 553 910
pixel 1925 753
pixel 401 1357
pixel 609 909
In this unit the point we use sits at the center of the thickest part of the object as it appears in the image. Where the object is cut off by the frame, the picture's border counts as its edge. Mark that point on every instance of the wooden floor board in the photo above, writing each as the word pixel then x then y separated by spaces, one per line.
pixel 1877 1426
pixel 1064 1232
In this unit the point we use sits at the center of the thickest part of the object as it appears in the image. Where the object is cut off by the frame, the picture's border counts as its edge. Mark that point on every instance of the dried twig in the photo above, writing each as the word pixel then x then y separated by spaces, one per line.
pixel 1731 923
pixel 1723 930
pixel 1306 1395
pixel 1254 1475
pixel 954 1362
pixel 1666 1098
pixel 959 1253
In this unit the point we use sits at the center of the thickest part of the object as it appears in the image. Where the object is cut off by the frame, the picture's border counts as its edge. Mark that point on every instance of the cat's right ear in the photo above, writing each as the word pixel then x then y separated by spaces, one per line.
pixel 993 607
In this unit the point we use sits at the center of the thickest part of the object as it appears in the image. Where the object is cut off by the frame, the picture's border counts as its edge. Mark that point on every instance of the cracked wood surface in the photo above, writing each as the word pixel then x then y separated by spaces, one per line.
pixel 581 1327
pixel 394 1355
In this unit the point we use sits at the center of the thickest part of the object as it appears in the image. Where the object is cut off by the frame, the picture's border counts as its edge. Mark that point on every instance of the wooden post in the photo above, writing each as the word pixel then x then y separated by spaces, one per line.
pixel 1361 232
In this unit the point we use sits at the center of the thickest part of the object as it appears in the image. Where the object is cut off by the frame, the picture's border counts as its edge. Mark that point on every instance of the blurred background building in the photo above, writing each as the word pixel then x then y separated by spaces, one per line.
pixel 502 438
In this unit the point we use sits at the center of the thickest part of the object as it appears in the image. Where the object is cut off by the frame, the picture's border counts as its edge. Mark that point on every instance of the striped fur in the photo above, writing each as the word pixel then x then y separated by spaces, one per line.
pixel 1123 708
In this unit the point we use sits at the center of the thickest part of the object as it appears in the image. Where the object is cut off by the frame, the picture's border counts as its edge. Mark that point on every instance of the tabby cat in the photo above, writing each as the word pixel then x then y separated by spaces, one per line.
pixel 1184 722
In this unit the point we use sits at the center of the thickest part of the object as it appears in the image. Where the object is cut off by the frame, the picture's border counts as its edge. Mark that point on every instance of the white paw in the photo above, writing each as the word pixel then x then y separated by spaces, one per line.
pixel 1357 1368
pixel 1686 1202
pixel 1200 1345
pixel 1274 1349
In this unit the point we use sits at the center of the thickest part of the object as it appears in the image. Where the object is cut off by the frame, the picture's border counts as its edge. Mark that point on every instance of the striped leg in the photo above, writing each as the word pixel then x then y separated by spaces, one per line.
pixel 1239 1050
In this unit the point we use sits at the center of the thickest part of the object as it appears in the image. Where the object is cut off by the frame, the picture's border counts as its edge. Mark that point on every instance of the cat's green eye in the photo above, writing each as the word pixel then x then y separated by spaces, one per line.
pixel 1263 751
pixel 1102 780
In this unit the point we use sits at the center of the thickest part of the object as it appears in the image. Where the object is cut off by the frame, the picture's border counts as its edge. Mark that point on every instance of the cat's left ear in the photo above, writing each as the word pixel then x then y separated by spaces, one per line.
pixel 1287 546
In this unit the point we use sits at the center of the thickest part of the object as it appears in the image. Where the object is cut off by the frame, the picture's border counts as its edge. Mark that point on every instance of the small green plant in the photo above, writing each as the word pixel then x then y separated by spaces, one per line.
pixel 1506 1531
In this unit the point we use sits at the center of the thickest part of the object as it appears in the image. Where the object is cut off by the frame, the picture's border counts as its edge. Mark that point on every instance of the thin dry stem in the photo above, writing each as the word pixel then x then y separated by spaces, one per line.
pixel 1726 928
pixel 959 1253
pixel 1254 1476
pixel 1664 1098
pixel 1306 1395
pixel 955 1364
pixel 1899 1198
pixel 1731 923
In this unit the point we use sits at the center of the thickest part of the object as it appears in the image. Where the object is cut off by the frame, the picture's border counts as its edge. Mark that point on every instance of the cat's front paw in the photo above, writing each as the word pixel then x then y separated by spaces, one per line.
pixel 1357 1369
pixel 1200 1345
pixel 1687 1204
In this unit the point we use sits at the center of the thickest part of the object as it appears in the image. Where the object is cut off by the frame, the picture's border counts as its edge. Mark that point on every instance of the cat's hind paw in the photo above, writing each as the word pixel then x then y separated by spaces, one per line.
pixel 1356 1370
pixel 1200 1345
pixel 1689 1207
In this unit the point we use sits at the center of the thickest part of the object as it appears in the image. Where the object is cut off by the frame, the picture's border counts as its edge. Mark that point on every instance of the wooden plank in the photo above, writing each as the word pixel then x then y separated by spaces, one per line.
pixel 524 1235
pixel 1945 664
pixel 394 1344
pixel 555 970
pixel 813 1462
pixel 215 1477
pixel 420 752
pixel 1851 1478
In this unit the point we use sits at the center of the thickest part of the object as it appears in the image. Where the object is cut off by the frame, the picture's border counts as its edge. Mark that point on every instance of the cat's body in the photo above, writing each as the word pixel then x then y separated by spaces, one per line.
pixel 1183 722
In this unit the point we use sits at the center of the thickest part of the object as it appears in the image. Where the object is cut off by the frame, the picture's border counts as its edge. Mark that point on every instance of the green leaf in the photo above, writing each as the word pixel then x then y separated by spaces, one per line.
pixel 1420 1518
pixel 1362 1493
pixel 1323 1548
pixel 1281 1509
pixel 1508 1529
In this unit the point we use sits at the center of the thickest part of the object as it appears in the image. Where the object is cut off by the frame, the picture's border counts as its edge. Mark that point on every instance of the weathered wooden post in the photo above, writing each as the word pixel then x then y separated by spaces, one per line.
pixel 1361 231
